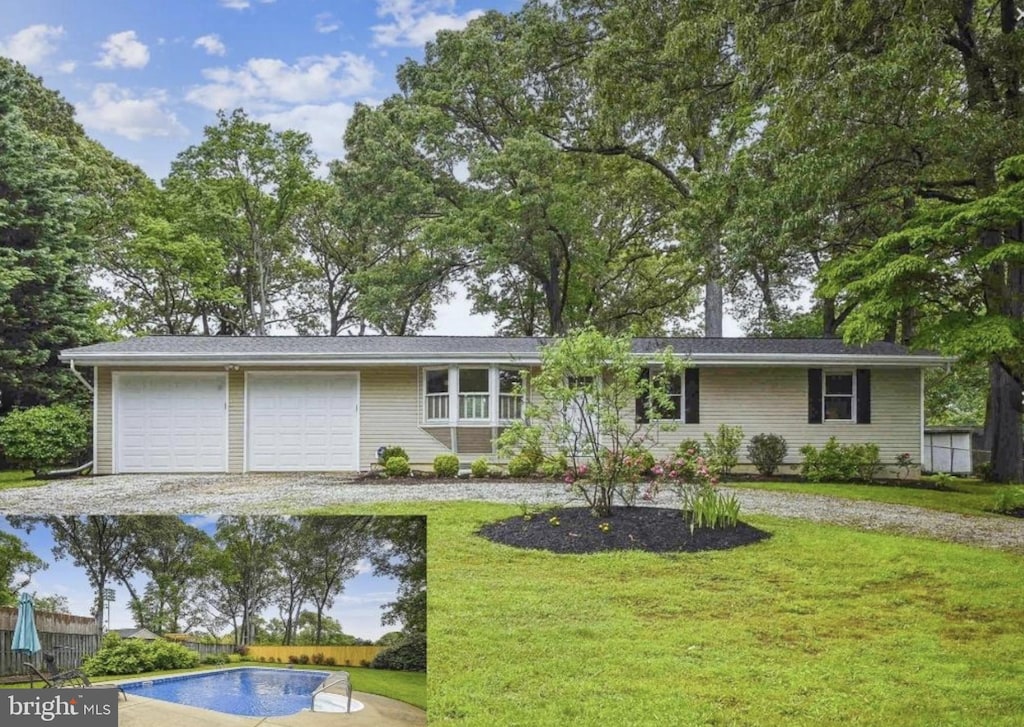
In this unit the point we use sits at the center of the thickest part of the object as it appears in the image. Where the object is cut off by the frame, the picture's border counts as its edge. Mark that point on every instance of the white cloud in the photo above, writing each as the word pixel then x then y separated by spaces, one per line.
pixel 67 67
pixel 211 43
pixel 324 123
pixel 415 22
pixel 123 50
pixel 268 83
pixel 326 23
pixel 119 111
pixel 32 45
pixel 240 4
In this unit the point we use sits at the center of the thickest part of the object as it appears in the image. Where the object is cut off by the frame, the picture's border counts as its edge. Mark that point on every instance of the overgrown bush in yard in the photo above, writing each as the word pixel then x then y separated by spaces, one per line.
pixel 134 656
pixel 722 450
pixel 390 451
pixel 554 465
pixel 446 465
pixel 640 459
pixel 397 467
pixel 409 654
pixel 520 439
pixel 521 466
pixel 837 462
pixel 45 437
pixel 587 383
pixel 767 452
pixel 480 468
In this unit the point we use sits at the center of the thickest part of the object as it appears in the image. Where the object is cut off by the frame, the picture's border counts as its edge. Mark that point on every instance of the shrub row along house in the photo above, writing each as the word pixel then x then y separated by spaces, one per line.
pixel 291 403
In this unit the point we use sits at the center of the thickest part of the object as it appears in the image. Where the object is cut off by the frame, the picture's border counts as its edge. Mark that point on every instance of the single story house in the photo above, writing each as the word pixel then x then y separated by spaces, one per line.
pixel 294 403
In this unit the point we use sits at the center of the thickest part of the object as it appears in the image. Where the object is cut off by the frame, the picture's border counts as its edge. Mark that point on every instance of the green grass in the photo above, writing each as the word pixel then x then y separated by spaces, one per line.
pixel 10 479
pixel 409 687
pixel 817 625
pixel 969 497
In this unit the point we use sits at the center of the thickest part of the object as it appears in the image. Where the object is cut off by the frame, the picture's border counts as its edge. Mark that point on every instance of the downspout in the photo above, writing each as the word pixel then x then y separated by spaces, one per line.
pixel 87 465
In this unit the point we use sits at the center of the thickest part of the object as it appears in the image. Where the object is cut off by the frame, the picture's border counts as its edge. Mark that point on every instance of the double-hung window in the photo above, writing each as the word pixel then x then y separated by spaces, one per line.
pixel 838 396
pixel 436 405
pixel 474 394
pixel 510 394
pixel 670 408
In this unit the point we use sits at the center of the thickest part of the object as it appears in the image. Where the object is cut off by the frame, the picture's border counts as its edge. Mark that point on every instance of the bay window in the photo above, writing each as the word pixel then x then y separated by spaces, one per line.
pixel 472 395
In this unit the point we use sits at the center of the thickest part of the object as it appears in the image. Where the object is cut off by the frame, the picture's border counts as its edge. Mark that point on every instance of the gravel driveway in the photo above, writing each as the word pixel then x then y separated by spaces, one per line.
pixel 265 493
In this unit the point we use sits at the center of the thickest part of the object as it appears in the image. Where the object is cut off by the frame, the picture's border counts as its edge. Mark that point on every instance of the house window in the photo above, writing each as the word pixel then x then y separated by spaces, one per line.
pixel 510 394
pixel 838 395
pixel 474 394
pixel 671 410
pixel 437 394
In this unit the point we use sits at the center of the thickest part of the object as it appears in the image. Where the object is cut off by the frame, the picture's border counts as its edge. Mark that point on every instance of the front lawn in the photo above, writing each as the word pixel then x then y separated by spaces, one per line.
pixel 10 479
pixel 968 497
pixel 817 625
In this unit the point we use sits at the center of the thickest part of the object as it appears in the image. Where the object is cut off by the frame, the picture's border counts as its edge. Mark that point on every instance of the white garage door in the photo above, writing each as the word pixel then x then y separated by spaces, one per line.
pixel 170 422
pixel 302 421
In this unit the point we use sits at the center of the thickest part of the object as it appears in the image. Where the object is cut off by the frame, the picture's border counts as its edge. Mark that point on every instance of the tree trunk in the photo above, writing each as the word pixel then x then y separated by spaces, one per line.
pixel 1003 426
pixel 713 309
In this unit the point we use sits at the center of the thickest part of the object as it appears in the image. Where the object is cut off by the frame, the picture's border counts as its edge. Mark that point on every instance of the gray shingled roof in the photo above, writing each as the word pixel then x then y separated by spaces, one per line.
pixel 418 346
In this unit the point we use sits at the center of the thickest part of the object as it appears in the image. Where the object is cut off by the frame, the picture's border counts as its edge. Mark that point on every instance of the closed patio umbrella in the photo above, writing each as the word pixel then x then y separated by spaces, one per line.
pixel 26 638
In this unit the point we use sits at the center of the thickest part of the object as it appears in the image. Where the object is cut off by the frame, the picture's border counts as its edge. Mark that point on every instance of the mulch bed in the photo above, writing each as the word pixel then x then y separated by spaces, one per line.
pixel 1019 512
pixel 652 529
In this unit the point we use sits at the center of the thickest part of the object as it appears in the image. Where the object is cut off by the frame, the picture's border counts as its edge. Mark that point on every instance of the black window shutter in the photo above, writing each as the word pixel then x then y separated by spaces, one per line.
pixel 814 396
pixel 691 393
pixel 641 401
pixel 863 396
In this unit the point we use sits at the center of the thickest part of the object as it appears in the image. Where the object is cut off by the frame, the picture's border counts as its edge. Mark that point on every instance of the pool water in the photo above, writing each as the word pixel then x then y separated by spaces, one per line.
pixel 247 691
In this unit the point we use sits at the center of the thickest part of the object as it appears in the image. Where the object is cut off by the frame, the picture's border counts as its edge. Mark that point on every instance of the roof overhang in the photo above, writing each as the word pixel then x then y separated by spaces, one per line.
pixel 279 360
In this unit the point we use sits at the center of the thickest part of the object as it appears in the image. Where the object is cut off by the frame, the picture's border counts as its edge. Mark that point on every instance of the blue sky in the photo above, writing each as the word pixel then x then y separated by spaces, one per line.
pixel 358 608
pixel 146 76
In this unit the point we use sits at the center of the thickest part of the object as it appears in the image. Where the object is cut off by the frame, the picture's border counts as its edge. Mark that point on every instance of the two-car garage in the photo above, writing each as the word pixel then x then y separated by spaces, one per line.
pixel 181 421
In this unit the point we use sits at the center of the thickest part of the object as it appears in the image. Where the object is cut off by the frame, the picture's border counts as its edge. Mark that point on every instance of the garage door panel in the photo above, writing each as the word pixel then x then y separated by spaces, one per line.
pixel 170 423
pixel 304 422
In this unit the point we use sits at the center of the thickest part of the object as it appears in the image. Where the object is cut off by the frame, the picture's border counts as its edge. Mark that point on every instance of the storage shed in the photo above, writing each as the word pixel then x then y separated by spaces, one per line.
pixel 948 449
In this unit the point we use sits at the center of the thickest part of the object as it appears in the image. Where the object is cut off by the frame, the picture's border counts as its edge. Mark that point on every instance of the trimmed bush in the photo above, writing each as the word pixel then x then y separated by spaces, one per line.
pixel 45 437
pixel 410 654
pixel 555 465
pixel 397 467
pixel 318 658
pixel 303 658
pixel 391 451
pixel 330 661
pixel 640 460
pixel 521 466
pixel 837 462
pixel 480 468
pixel 446 465
pixel 767 452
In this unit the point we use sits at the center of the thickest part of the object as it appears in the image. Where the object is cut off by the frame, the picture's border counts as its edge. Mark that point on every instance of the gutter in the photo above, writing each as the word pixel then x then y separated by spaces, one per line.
pixel 81 378
pixel 341 360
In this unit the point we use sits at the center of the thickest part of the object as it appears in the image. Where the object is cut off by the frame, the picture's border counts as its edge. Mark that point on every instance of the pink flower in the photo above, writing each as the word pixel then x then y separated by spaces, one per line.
pixel 673 473
pixel 658 470
pixel 569 479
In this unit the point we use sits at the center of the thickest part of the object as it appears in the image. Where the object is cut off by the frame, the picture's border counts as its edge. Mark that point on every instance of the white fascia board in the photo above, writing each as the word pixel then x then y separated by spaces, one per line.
pixel 335 359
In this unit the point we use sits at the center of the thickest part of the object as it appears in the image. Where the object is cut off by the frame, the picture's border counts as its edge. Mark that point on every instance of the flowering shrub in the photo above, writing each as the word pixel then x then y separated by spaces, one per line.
pixel 694 480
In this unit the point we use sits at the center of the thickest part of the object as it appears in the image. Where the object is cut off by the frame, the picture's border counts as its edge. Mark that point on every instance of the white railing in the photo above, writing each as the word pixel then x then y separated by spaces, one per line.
pixel 437 407
pixel 474 406
pixel 510 406
pixel 340 678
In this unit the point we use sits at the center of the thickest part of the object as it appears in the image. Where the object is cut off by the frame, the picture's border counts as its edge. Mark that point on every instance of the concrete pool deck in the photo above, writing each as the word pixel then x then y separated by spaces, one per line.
pixel 377 710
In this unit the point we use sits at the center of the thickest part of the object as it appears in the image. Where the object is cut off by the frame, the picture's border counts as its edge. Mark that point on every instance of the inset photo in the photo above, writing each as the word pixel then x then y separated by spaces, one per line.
pixel 218 619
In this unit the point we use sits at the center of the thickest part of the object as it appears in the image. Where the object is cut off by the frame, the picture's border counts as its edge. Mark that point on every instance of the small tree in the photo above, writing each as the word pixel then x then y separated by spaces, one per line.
pixel 588 397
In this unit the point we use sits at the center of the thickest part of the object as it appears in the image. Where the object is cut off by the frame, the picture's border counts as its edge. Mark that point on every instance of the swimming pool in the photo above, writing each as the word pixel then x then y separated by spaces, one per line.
pixel 247 691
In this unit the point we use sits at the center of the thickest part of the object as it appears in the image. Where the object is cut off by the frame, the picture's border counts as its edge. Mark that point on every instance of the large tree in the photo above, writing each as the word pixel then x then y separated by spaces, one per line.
pixel 401 553
pixel 244 184
pixel 17 564
pixel 334 546
pixel 45 302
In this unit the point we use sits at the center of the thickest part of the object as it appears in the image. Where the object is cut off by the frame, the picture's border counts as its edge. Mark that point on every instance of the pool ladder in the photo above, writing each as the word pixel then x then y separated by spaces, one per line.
pixel 340 678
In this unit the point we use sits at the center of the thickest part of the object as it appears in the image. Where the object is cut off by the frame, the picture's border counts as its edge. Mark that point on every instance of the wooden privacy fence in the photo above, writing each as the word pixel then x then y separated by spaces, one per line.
pixel 69 638
pixel 208 648
pixel 342 655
